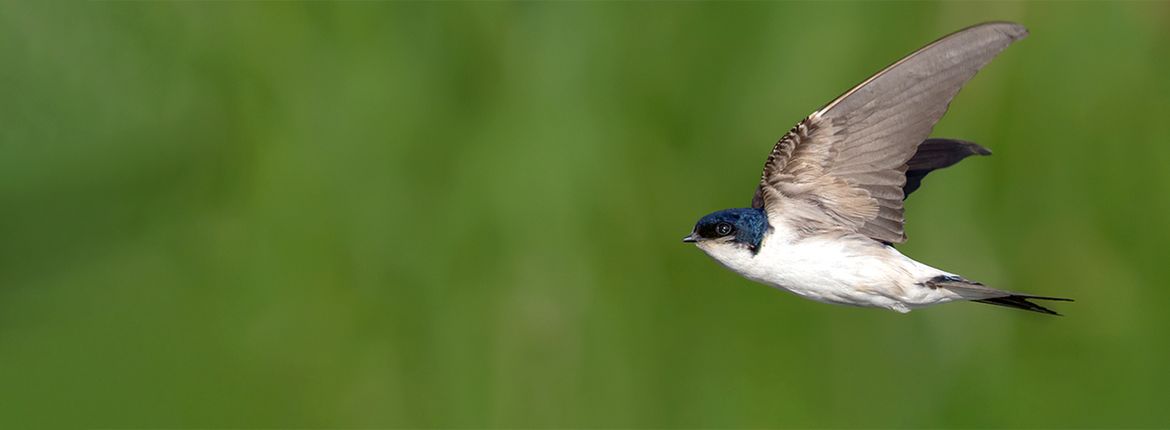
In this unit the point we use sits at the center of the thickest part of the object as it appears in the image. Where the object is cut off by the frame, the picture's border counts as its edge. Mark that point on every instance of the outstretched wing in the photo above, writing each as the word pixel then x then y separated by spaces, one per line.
pixel 934 154
pixel 845 165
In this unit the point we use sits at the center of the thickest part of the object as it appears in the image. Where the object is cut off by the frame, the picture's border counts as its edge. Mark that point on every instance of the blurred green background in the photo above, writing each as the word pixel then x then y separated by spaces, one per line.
pixel 468 215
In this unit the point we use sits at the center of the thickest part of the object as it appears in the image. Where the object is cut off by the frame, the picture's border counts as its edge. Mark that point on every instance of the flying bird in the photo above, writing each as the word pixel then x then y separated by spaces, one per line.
pixel 828 208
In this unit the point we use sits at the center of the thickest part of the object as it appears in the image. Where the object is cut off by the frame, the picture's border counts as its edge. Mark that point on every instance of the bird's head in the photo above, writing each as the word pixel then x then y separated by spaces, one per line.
pixel 739 228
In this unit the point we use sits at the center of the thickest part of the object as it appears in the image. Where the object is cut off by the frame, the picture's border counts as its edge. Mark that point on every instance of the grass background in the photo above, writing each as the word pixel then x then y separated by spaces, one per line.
pixel 220 214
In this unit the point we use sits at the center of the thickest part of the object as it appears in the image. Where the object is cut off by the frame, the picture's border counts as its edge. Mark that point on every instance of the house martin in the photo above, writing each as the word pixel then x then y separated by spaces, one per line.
pixel 828 208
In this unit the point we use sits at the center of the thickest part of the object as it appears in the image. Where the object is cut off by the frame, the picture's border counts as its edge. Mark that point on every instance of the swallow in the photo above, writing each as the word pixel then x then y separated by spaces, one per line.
pixel 828 209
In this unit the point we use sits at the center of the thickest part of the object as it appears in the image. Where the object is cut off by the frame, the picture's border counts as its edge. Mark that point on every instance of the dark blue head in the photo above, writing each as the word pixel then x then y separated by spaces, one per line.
pixel 742 226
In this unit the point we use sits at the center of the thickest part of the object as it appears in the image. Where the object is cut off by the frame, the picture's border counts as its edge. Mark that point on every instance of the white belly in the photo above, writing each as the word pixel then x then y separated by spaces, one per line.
pixel 832 269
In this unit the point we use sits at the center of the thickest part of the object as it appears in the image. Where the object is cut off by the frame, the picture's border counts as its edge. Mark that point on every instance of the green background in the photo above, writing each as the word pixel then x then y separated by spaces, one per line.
pixel 468 215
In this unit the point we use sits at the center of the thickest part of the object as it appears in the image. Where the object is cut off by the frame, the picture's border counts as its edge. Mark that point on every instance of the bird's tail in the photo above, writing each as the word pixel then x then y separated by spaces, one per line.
pixel 979 293
pixel 1020 301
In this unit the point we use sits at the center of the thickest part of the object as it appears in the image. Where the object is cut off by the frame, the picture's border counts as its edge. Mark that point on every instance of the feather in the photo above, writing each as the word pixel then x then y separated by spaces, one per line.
pixel 934 154
pixel 979 293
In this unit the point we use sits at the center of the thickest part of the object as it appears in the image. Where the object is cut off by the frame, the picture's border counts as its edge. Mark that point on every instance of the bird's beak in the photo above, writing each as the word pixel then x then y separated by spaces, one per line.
pixel 690 238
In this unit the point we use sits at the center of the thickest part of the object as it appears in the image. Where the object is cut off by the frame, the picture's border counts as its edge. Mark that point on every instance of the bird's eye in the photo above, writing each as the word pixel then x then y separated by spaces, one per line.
pixel 723 229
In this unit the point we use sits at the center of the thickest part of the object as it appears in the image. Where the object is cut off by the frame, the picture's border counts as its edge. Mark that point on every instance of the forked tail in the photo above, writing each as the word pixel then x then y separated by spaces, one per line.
pixel 979 293
pixel 1018 301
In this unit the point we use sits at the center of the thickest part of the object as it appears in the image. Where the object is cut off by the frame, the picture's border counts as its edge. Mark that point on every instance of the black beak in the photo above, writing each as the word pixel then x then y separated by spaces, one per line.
pixel 690 238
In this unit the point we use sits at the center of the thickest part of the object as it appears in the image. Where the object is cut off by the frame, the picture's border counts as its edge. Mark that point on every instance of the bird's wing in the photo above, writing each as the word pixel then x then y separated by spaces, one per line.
pixel 934 154
pixel 845 165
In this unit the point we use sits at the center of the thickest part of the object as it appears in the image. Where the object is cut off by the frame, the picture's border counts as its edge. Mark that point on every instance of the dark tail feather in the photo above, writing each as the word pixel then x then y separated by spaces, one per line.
pixel 980 293
pixel 1021 302
pixel 935 154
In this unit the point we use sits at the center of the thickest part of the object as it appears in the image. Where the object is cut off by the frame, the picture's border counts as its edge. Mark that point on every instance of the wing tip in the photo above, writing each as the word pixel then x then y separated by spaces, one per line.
pixel 973 148
pixel 1012 30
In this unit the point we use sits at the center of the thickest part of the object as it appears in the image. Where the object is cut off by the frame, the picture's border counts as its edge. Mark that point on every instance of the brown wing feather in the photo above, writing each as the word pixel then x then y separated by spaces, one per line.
pixel 845 165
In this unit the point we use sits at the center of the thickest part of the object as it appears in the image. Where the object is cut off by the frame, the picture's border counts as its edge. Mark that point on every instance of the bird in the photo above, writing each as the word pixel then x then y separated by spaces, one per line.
pixel 828 209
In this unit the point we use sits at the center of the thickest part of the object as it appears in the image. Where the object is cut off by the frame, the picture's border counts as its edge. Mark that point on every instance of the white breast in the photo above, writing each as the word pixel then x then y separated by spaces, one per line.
pixel 833 268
